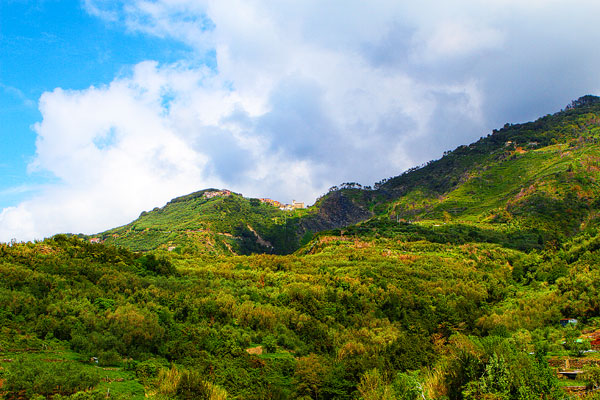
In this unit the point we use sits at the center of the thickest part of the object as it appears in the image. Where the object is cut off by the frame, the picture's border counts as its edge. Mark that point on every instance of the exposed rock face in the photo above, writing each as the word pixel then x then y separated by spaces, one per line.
pixel 339 210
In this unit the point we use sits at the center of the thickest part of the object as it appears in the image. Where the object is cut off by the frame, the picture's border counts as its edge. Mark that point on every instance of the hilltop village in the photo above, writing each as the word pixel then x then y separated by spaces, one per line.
pixel 215 211
pixel 284 207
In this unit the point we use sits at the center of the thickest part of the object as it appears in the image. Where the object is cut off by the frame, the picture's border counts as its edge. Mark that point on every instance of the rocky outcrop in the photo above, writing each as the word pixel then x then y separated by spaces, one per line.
pixel 339 209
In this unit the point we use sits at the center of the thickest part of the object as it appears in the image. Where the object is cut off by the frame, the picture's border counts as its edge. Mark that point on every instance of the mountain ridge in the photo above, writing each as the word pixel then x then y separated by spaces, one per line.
pixel 504 178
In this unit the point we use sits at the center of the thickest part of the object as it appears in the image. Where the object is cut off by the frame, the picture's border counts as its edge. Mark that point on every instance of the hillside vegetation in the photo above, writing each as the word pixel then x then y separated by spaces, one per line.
pixel 447 282
pixel 541 176
pixel 405 314
pixel 223 224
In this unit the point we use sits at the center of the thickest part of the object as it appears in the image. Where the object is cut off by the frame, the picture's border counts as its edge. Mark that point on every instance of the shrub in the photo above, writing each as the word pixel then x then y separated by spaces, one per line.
pixel 109 358
pixel 34 377
pixel 147 369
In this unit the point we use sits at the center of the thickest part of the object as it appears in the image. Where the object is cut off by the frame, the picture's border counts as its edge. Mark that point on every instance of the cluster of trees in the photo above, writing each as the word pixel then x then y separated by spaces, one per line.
pixel 369 316
pixel 349 185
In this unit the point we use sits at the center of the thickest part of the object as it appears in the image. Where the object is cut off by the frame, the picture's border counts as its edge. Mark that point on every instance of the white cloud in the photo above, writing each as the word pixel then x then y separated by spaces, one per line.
pixel 305 95
pixel 453 39
pixel 17 223
pixel 101 9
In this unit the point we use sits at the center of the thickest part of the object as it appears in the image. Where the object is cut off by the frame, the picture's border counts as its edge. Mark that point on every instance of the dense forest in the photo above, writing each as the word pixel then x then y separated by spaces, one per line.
pixel 350 318
pixel 472 277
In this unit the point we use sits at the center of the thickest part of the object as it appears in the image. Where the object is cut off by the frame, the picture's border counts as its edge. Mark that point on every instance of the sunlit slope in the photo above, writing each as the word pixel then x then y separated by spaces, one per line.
pixel 381 296
pixel 538 179
pixel 221 224
pixel 253 323
pixel 542 175
pixel 544 187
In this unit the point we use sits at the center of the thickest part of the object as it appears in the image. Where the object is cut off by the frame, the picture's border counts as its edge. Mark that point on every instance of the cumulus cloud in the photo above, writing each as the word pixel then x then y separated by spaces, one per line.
pixel 304 95
pixel 162 131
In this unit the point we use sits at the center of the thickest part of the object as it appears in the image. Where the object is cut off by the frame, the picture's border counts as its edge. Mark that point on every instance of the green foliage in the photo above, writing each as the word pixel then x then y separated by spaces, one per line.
pixel 407 386
pixel 350 307
pixel 460 300
pixel 309 376
pixel 32 378
pixel 494 368
pixel 88 395
pixel 109 358
pixel 151 264
pixel 373 387
pixel 592 377
pixel 572 343
pixel 197 224
pixel 148 369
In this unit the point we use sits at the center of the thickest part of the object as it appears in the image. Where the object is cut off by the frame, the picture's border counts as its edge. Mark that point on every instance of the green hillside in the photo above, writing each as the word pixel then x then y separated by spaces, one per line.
pixel 473 277
pixel 200 224
pixel 230 224
pixel 363 315
pixel 540 176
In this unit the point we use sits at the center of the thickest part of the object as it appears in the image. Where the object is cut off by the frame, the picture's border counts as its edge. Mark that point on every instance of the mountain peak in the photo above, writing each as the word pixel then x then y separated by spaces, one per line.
pixel 206 193
pixel 583 101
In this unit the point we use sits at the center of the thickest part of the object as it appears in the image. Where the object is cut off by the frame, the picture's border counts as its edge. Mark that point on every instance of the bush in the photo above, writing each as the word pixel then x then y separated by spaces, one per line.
pixel 592 377
pixel 156 266
pixel 187 385
pixel 148 369
pixel 34 377
pixel 191 386
pixel 270 343
pixel 109 358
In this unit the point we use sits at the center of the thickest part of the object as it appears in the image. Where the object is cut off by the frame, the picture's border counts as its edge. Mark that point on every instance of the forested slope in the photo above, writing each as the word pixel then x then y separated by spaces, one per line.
pixel 541 176
pixel 224 223
pixel 448 281
pixel 397 312
pixel 351 315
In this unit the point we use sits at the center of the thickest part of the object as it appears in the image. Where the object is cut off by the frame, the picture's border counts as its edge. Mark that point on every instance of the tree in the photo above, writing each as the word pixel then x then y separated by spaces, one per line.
pixel 309 376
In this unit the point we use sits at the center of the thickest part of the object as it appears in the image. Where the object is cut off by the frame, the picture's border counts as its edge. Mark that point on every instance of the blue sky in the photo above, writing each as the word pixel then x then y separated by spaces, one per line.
pixel 45 44
pixel 110 107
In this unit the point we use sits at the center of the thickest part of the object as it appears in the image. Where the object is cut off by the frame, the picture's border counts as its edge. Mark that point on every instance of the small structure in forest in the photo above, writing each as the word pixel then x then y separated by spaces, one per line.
pixel 272 202
pixel 296 205
pixel 217 193
pixel 571 374
pixel 568 321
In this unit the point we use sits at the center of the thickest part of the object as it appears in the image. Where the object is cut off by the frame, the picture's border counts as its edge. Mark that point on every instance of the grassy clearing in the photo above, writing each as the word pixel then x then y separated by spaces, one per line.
pixel 115 380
